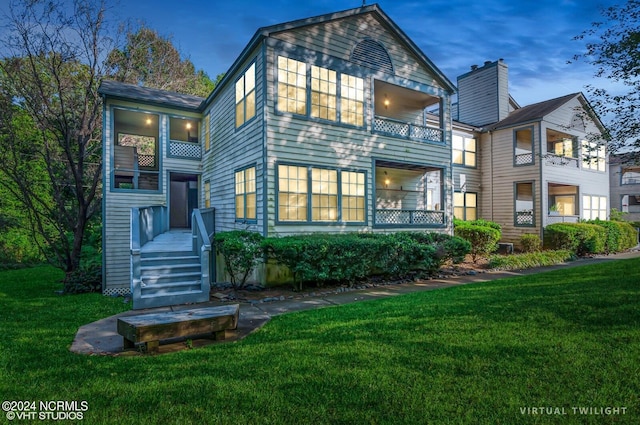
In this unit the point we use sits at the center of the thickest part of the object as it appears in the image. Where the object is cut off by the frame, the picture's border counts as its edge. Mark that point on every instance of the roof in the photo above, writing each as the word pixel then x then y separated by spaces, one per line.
pixel 532 113
pixel 375 9
pixel 158 97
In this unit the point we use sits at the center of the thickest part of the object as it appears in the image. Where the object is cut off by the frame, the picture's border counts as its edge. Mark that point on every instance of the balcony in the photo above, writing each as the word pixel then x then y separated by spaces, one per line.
pixel 396 128
pixel 562 161
pixel 409 217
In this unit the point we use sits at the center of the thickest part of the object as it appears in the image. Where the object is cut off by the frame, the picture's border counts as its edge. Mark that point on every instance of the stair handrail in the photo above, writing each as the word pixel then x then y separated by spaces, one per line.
pixel 145 224
pixel 202 247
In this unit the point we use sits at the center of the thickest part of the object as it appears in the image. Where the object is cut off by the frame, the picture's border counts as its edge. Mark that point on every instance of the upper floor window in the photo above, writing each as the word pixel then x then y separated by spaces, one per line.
pixel 593 156
pixel 246 96
pixel 245 194
pixel 352 100
pixel 523 146
pixel 292 86
pixel 332 96
pixel 563 147
pixel 630 176
pixel 464 150
pixel 206 132
pixel 324 93
pixel 183 130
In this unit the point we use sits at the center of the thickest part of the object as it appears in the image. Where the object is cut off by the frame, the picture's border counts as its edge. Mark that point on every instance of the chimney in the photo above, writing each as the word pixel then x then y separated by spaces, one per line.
pixel 483 94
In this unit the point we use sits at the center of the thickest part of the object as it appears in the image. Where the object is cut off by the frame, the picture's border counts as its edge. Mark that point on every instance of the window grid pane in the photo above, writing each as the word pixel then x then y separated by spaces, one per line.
pixel 293 189
pixel 353 191
pixel 352 100
pixel 292 86
pixel 324 202
pixel 323 93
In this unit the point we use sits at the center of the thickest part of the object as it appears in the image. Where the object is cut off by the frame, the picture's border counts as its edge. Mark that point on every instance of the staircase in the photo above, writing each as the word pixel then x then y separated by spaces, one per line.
pixel 168 267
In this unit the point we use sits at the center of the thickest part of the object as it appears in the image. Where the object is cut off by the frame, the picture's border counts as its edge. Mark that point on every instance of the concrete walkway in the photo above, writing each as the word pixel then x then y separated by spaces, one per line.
pixel 101 337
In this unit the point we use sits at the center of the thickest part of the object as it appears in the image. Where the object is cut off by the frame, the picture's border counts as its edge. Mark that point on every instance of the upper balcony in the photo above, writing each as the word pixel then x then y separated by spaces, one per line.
pixel 401 112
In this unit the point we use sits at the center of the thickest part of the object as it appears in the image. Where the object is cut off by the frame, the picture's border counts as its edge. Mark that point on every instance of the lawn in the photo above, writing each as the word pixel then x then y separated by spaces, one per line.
pixel 478 354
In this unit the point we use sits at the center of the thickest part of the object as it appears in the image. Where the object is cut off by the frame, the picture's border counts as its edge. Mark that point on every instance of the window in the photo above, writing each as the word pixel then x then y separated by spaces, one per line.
pixel 292 86
pixel 563 147
pixel 465 205
pixel 630 176
pixel 323 93
pixel 524 213
pixel 246 96
pixel 205 130
pixel 207 194
pixel 464 150
pixel 322 192
pixel 246 194
pixel 523 147
pixel 593 156
pixel 351 100
pixel 183 130
pixel 353 189
pixel 594 207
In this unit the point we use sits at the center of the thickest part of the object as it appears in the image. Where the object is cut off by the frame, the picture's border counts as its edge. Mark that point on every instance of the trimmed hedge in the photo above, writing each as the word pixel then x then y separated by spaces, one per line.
pixel 619 235
pixel 323 258
pixel 580 238
pixel 482 235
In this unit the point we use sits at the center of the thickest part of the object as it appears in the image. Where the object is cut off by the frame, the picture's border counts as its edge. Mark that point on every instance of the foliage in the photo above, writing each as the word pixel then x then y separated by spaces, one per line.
pixel 530 259
pixel 612 48
pixel 618 235
pixel 483 237
pixel 492 347
pixel 530 242
pixel 617 215
pixel 241 251
pixel 152 60
pixel 323 258
pixel 579 238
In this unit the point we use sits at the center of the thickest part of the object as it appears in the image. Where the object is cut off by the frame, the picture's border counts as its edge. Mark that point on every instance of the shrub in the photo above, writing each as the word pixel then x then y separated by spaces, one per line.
pixel 579 238
pixel 530 242
pixel 83 280
pixel 241 251
pixel 619 235
pixel 483 238
pixel 529 260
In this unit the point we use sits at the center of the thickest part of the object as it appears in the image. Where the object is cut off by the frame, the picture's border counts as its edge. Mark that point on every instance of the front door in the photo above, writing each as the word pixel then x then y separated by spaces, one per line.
pixel 183 198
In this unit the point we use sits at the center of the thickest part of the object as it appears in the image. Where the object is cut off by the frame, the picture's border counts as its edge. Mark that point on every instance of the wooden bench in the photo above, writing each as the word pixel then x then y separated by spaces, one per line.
pixel 150 329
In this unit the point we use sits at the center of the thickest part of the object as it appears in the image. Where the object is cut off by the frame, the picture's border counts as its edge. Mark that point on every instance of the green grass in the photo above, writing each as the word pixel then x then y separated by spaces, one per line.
pixel 473 354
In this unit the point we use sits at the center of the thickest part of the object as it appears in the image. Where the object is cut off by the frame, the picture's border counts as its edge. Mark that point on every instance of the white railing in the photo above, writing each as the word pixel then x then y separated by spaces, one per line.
pixel 186 150
pixel 407 130
pixel 552 219
pixel 409 217
pixel 563 161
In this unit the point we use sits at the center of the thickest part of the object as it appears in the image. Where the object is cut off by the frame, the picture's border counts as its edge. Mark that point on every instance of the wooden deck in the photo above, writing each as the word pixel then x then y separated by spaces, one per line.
pixel 171 241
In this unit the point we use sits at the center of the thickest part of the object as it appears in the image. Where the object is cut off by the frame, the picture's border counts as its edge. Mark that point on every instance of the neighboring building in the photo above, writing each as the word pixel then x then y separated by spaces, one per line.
pixel 336 123
pixel 624 174
pixel 536 165
pixel 320 125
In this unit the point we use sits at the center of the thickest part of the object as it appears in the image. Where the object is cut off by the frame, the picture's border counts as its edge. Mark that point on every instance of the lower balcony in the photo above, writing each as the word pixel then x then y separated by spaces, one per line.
pixel 409 217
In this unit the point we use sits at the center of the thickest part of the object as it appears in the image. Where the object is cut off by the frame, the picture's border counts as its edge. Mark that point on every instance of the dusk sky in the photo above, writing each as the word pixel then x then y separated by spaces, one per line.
pixel 533 37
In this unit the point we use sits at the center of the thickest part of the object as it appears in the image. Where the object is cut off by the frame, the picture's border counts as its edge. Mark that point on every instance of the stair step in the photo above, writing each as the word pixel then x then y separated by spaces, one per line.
pixel 155 279
pixel 170 294
pixel 159 289
pixel 169 269
pixel 167 254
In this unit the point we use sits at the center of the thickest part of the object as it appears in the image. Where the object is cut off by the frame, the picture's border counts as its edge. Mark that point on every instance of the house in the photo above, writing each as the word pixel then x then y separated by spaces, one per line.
pixel 525 167
pixel 320 125
pixel 624 174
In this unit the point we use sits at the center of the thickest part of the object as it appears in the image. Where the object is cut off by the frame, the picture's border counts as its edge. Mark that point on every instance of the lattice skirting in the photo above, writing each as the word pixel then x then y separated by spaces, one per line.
pixel 122 291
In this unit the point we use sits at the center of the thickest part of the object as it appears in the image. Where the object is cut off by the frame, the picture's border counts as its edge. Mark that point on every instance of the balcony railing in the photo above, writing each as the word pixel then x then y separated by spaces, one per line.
pixel 563 161
pixel 185 150
pixel 409 217
pixel 552 219
pixel 397 128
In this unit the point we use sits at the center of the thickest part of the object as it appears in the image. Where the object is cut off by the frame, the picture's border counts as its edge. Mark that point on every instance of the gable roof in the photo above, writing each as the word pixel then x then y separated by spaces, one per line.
pixel 374 9
pixel 537 111
pixel 149 95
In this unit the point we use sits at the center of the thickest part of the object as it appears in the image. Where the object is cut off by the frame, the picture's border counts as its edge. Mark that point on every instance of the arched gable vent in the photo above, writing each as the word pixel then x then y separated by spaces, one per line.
pixel 372 54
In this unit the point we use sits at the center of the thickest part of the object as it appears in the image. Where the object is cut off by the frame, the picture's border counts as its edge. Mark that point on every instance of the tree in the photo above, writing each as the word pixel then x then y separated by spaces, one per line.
pixel 152 60
pixel 51 77
pixel 613 47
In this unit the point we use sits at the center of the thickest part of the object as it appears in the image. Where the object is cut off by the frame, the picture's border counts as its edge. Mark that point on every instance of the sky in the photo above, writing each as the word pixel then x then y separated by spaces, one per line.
pixel 534 37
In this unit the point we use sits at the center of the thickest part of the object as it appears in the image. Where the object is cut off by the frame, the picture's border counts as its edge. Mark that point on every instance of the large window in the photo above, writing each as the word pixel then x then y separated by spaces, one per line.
pixel 246 194
pixel 464 150
pixel 593 156
pixel 563 147
pixel 523 146
pixel 524 201
pixel 292 86
pixel 351 100
pixel 326 101
pixel 465 205
pixel 320 194
pixel 246 96
pixel 324 93
pixel 594 207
